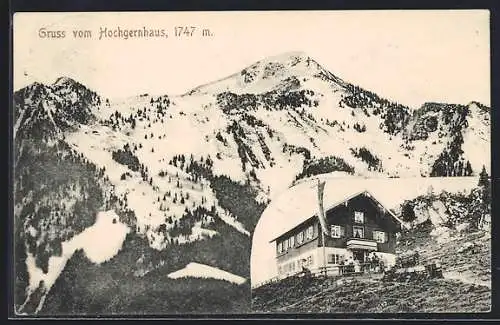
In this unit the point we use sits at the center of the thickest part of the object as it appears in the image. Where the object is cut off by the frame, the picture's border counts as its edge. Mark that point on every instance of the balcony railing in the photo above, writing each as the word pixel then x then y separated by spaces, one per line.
pixel 337 270
pixel 361 243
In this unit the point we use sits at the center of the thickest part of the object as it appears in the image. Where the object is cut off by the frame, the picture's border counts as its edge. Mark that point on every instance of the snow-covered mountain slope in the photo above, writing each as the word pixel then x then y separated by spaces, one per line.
pixel 267 118
pixel 42 110
pixel 201 166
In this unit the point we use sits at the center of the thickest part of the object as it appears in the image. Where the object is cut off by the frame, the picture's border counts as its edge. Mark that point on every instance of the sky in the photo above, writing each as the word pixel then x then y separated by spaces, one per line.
pixel 287 211
pixel 408 56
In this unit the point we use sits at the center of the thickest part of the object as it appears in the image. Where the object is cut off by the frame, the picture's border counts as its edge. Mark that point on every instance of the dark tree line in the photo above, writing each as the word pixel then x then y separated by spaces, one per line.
pixel 201 168
pixel 277 99
pixel 126 157
pixel 155 113
pixel 290 148
pixel 317 166
pixel 183 226
pixel 451 162
pixel 244 151
pixel 374 163
pixel 395 116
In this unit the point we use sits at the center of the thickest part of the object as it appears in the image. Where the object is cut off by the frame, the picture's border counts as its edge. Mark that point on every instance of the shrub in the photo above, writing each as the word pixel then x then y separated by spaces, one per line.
pixel 127 158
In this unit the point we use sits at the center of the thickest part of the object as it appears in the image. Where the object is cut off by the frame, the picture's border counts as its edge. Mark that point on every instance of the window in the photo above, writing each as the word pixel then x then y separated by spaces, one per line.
pixel 310 232
pixel 334 258
pixel 358 232
pixel 292 241
pixel 285 243
pixel 300 237
pixel 359 217
pixel 379 236
pixel 335 231
pixel 331 258
pixel 280 247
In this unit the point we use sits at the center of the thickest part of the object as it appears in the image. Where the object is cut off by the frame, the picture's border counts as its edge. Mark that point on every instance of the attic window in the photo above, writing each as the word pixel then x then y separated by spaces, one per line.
pixel 359 217
pixel 310 232
pixel 300 237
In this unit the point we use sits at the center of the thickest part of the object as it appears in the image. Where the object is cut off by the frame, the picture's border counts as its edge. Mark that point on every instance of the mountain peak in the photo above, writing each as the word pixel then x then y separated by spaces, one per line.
pixel 64 81
pixel 285 56
pixel 31 93
pixel 267 74
pixel 290 59
pixel 479 105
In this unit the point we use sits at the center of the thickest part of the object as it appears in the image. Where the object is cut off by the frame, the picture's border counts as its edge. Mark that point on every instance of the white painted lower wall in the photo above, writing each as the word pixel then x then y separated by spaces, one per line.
pixel 317 258
pixel 294 265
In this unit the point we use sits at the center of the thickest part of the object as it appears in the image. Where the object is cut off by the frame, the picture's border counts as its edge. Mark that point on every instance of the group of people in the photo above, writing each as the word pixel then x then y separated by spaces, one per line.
pixel 372 262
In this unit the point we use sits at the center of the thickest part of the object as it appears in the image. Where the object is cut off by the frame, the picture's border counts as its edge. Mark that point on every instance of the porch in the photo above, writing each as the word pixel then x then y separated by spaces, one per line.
pixel 348 270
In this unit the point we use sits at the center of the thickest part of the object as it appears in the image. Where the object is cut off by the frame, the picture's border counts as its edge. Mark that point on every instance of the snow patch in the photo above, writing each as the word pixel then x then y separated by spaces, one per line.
pixel 100 242
pixel 230 220
pixel 197 270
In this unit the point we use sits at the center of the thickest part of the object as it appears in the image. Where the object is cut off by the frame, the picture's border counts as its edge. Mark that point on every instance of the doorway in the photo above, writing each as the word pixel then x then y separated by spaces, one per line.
pixel 359 255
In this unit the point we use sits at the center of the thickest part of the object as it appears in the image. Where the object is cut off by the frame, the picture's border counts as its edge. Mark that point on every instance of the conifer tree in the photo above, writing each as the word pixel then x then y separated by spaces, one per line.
pixel 485 186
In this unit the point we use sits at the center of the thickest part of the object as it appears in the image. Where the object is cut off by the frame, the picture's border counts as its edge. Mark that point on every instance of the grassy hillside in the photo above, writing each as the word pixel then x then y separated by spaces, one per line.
pixel 466 256
pixel 371 296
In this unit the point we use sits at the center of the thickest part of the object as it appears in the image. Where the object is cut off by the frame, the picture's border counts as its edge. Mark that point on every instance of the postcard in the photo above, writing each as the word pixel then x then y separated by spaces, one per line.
pixel 250 162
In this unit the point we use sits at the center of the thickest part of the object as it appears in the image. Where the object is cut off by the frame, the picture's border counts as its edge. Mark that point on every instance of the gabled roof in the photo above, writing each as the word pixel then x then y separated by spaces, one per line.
pixel 340 200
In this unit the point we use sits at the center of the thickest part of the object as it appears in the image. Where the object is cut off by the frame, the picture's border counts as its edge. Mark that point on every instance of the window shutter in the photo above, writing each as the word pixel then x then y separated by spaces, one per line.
pixel 342 231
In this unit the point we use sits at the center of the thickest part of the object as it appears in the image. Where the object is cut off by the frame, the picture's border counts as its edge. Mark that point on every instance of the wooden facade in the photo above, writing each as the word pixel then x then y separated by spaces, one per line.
pixel 357 226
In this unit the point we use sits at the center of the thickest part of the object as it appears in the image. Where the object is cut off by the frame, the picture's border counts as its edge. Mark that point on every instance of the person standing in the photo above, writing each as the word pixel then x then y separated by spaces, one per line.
pixel 357 266
pixel 341 266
